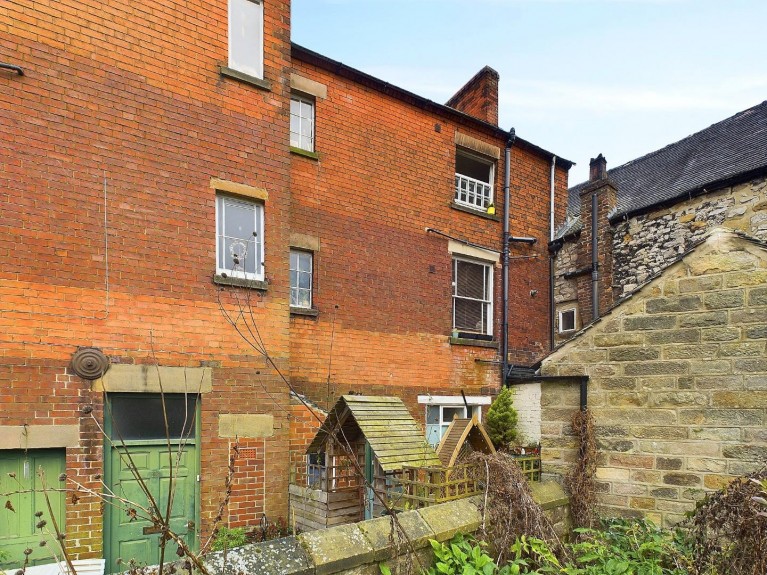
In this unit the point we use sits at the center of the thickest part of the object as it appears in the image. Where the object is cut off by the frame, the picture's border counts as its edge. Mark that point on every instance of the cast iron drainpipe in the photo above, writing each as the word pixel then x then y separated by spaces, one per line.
pixel 594 261
pixel 552 303
pixel 505 256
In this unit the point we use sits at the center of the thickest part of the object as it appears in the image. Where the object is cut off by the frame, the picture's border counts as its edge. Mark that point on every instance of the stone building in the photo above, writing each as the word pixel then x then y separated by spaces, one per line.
pixel 660 321
pixel 654 208
pixel 677 382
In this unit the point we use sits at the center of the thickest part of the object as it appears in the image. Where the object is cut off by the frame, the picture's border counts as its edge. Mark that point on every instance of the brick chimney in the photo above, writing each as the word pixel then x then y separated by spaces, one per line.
pixel 479 96
pixel 604 190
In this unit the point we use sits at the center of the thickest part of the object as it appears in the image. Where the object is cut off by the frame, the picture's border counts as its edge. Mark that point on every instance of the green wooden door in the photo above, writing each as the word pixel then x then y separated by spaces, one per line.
pixel 19 473
pixel 133 536
pixel 130 535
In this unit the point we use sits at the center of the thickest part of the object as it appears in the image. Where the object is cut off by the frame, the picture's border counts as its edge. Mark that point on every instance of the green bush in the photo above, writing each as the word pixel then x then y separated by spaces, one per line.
pixel 501 420
pixel 461 556
pixel 228 538
pixel 620 547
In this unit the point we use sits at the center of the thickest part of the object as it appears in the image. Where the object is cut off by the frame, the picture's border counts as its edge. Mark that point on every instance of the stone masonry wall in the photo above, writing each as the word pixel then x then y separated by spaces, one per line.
pixel 678 383
pixel 359 548
pixel 644 245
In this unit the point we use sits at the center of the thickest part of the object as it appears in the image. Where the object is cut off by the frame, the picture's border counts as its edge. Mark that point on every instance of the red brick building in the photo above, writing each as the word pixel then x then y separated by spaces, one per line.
pixel 145 151
pixel 380 203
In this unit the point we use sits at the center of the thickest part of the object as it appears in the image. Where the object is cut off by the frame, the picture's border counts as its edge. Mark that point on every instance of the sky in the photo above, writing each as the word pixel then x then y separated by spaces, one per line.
pixel 577 77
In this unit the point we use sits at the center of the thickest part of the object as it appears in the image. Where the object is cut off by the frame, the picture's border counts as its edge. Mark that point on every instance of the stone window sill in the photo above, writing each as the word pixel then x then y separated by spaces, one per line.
pixel 480 213
pixel 305 153
pixel 304 311
pixel 245 78
pixel 473 342
pixel 240 282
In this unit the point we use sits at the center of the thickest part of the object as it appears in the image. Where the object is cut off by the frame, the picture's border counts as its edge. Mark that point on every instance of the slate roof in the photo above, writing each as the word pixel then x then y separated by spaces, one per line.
pixel 394 436
pixel 722 152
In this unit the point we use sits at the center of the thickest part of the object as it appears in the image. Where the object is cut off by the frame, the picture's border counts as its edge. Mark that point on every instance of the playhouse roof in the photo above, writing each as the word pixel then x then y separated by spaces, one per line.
pixel 461 432
pixel 385 423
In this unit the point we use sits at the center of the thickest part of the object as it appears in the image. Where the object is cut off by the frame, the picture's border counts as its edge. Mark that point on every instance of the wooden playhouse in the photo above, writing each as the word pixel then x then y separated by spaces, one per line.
pixel 369 450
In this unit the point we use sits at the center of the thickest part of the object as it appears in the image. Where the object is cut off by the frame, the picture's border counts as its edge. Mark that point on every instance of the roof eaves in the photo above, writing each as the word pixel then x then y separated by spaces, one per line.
pixel 317 59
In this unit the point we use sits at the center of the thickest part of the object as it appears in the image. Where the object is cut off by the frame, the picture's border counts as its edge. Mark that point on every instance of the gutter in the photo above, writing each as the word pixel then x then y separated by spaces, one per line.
pixel 310 57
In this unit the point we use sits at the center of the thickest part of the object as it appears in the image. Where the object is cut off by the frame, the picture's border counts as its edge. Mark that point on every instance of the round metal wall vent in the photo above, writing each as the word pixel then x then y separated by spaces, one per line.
pixel 89 363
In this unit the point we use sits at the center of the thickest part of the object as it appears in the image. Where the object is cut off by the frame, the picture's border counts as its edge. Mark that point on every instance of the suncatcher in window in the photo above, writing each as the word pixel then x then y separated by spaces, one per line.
pixel 239 238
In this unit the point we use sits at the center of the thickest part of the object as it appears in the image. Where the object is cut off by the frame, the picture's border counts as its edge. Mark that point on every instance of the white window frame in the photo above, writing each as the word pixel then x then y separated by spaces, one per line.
pixel 296 288
pixel 252 242
pixel 452 401
pixel 246 54
pixel 297 138
pixel 471 192
pixel 489 288
pixel 575 319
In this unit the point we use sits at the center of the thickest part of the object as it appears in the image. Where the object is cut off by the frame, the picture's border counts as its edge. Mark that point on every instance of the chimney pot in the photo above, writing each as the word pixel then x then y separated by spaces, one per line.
pixel 597 168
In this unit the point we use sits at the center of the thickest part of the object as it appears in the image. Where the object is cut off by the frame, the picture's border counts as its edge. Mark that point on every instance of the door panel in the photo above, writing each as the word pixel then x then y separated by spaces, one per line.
pixel 17 528
pixel 132 536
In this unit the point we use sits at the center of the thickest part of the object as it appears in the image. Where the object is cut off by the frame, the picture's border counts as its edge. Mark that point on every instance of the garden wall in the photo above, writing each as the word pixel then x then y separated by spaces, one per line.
pixel 359 548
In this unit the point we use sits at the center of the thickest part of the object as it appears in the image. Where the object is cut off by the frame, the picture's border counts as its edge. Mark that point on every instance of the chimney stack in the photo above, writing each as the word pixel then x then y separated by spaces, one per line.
pixel 597 168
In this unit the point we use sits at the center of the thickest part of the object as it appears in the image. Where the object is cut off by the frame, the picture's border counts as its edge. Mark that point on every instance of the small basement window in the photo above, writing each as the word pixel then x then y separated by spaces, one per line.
pixel 567 320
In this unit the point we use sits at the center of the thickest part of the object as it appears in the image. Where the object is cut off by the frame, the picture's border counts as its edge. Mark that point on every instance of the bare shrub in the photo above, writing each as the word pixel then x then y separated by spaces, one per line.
pixel 727 533
pixel 509 510
pixel 579 481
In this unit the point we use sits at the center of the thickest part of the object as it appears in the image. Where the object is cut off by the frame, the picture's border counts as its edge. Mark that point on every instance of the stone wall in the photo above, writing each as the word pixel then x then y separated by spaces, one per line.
pixel 678 383
pixel 566 290
pixel 360 548
pixel 645 244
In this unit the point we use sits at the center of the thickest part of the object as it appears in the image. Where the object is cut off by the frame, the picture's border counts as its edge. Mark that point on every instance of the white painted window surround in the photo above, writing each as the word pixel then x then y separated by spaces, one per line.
pixel 474 178
pixel 302 122
pixel 246 37
pixel 472 296
pixel 301 278
pixel 239 238
pixel 567 320
pixel 442 409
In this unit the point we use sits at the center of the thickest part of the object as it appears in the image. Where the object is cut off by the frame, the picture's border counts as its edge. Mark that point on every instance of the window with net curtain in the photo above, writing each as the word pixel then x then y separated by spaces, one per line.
pixel 239 237
pixel 472 296
pixel 301 278
pixel 302 122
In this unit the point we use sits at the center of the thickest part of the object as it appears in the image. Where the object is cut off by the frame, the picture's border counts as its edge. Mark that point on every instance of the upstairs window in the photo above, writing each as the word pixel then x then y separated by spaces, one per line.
pixel 474 176
pixel 302 122
pixel 301 279
pixel 239 238
pixel 472 297
pixel 246 37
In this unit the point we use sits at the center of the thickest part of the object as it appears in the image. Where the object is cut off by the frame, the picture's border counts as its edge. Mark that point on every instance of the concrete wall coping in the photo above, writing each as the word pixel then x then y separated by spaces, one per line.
pixel 345 547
